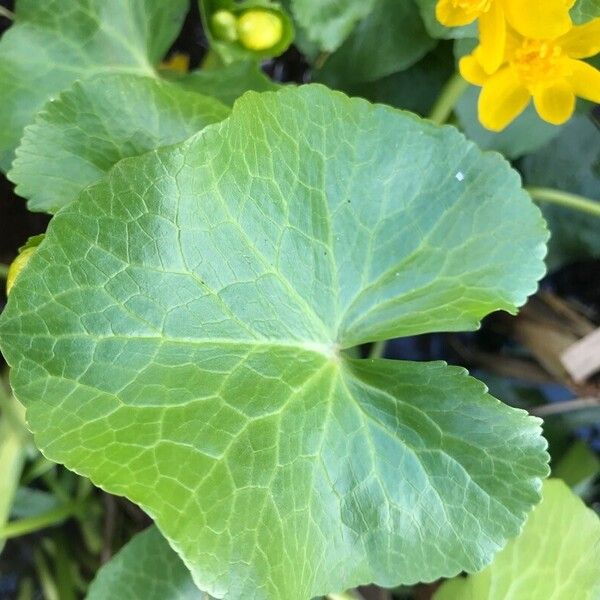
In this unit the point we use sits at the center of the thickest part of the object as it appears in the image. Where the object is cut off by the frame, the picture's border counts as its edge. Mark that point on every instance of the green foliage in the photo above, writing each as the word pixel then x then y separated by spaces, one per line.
pixel 585 10
pixel 79 136
pixel 145 568
pixel 329 22
pixel 570 162
pixel 179 338
pixel 556 556
pixel 391 38
pixel 55 42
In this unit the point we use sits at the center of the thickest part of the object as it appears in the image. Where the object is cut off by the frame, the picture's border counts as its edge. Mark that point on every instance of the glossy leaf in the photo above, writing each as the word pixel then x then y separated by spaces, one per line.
pixel 147 567
pixel 78 137
pixel 178 337
pixel 555 557
pixel 329 22
pixel 391 38
pixel 570 162
pixel 55 42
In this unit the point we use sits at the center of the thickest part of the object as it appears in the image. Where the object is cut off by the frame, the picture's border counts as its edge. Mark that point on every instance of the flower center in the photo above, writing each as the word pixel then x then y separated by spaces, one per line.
pixel 538 61
pixel 475 7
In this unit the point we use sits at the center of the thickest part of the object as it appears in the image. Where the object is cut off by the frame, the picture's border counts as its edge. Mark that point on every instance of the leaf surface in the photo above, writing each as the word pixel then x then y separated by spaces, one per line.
pixel 146 567
pixel 178 337
pixel 55 42
pixel 79 136
pixel 555 557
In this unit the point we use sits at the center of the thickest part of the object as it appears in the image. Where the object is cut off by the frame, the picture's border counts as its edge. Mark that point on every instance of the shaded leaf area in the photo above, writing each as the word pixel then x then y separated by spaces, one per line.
pixel 555 557
pixel 415 89
pixel 218 282
pixel 391 38
pixel 570 162
pixel 79 136
pixel 328 23
pixel 147 567
pixel 226 83
pixel 56 42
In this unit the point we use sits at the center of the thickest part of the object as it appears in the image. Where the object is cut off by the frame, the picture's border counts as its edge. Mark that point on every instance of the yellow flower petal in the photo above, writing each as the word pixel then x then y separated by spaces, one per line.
pixel 538 19
pixel 555 103
pixel 585 80
pixel 502 99
pixel 492 38
pixel 472 71
pixel 582 41
pixel 451 16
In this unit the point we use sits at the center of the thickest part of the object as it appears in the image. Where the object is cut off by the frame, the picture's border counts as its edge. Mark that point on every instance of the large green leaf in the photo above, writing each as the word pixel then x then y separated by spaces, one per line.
pixel 329 22
pixel 570 162
pixel 55 42
pixel 556 556
pixel 179 336
pixel 391 38
pixel 147 567
pixel 75 140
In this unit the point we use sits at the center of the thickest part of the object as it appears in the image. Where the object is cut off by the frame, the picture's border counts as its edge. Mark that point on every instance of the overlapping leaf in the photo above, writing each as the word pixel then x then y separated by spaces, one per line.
pixel 148 568
pixel 555 557
pixel 55 42
pixel 77 138
pixel 179 336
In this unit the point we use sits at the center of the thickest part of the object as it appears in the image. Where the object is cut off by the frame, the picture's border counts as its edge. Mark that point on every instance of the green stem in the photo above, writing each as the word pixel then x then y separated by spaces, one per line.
pixel 377 349
pixel 3 271
pixel 449 96
pixel 8 14
pixel 47 519
pixel 580 203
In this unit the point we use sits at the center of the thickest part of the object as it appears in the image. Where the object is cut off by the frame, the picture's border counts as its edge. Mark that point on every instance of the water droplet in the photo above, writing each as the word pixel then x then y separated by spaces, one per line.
pixel 460 176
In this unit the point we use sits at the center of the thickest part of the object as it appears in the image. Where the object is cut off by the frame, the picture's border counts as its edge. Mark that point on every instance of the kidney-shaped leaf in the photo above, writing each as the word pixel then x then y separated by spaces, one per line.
pixel 555 557
pixel 55 42
pixel 78 137
pixel 178 337
pixel 146 568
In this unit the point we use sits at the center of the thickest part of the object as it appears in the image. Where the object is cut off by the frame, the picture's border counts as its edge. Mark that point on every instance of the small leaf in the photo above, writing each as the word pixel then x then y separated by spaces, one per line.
pixel 555 557
pixel 55 42
pixel 391 38
pixel 79 136
pixel 570 162
pixel 585 10
pixel 147 567
pixel 179 338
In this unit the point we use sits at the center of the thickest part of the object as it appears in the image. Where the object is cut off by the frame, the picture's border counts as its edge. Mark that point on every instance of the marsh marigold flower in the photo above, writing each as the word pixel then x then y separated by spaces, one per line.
pixel 535 19
pixel 548 70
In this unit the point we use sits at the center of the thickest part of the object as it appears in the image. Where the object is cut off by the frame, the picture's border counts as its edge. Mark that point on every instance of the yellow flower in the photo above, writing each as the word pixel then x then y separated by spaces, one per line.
pixel 546 69
pixel 259 29
pixel 536 19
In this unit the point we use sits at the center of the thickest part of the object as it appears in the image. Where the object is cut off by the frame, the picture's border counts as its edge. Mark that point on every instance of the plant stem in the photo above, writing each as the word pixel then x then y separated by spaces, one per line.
pixel 580 203
pixel 557 408
pixel 377 349
pixel 449 96
pixel 7 14
pixel 3 271
pixel 52 517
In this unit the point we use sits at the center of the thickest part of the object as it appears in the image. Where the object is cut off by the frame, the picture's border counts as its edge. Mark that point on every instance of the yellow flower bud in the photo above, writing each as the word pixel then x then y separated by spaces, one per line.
pixel 259 29
pixel 17 266
pixel 224 26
